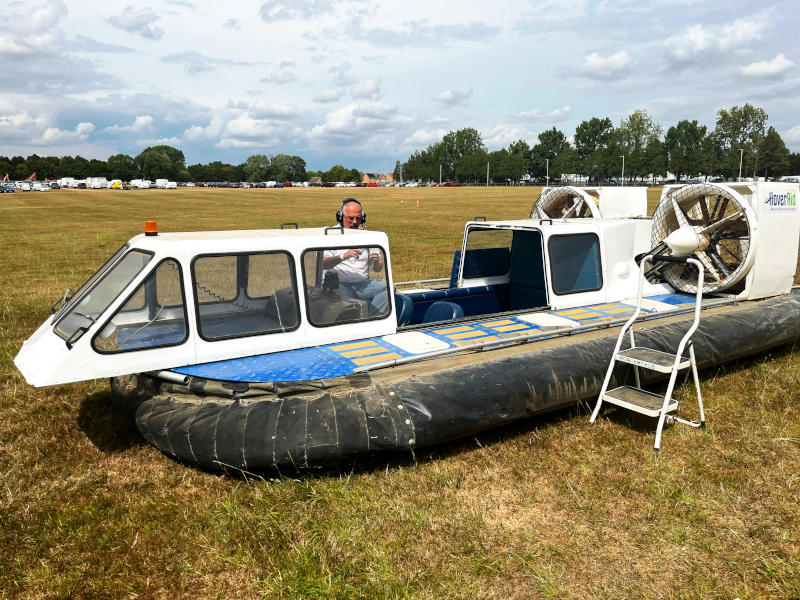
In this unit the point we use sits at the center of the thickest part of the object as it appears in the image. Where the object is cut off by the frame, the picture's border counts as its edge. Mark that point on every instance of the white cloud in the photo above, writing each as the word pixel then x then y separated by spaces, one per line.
pixel 279 78
pixel 269 110
pixel 140 123
pixel 343 74
pixel 537 114
pixel 59 137
pixel 450 98
pixel 28 29
pixel 195 63
pixel 793 135
pixel 419 33
pixel 369 89
pixel 283 10
pixel 501 136
pixel 768 68
pixel 699 42
pixel 609 68
pixel 357 121
pixel 424 137
pixel 139 22
pixel 232 24
pixel 327 96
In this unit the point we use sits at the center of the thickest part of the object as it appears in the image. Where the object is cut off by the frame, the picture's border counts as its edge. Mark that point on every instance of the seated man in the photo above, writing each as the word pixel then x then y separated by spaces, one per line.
pixel 352 265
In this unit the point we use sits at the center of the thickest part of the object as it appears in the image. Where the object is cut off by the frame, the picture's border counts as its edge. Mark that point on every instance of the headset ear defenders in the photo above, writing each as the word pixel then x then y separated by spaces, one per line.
pixel 340 212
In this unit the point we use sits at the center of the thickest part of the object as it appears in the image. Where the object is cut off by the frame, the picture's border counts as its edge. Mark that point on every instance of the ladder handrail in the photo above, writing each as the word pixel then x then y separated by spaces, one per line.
pixel 679 354
pixel 629 323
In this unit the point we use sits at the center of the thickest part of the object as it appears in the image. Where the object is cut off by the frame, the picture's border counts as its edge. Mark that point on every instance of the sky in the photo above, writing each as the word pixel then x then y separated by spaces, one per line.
pixel 364 83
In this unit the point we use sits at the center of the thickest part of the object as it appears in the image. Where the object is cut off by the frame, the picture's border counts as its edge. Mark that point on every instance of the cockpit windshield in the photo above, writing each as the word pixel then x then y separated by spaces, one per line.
pixel 99 291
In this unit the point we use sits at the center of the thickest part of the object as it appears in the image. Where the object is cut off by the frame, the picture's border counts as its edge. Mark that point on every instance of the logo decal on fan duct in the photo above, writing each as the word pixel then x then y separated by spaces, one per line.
pixel 782 202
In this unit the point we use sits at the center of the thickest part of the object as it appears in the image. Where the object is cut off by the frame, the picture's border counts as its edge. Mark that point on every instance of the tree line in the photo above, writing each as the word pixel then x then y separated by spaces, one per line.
pixel 596 151
pixel 598 148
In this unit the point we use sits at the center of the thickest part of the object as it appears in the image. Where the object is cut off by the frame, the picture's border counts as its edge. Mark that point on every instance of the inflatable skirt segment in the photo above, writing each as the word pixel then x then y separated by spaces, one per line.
pixel 323 423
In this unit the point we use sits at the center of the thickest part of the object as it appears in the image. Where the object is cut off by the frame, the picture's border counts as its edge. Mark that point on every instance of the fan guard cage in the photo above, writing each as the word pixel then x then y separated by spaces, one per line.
pixel 556 202
pixel 722 218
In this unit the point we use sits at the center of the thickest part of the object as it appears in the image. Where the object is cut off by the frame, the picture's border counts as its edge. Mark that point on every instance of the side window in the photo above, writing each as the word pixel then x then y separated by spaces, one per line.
pixel 575 263
pixel 345 285
pixel 488 253
pixel 241 295
pixel 153 316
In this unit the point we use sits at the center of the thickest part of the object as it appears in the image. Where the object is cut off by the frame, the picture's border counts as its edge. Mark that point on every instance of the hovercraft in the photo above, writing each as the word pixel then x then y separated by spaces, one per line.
pixel 240 349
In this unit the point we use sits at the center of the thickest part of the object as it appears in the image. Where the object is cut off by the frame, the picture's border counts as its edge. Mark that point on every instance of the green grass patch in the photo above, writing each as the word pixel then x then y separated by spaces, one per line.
pixel 549 507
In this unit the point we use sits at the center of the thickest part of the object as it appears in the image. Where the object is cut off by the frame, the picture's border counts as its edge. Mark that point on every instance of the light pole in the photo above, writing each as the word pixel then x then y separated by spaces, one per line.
pixel 547 176
pixel 741 155
pixel 487 174
pixel 440 174
pixel 623 169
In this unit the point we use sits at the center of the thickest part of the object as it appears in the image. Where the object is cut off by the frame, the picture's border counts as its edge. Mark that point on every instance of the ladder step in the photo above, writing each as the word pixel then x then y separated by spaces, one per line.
pixel 648 358
pixel 638 400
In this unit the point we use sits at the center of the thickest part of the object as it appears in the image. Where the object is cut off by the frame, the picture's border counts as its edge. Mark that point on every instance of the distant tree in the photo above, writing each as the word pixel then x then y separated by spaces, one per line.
pixel 655 158
pixel 256 167
pixel 633 135
pixel 396 172
pixel 289 168
pixel 794 163
pixel 592 135
pixel 336 173
pixel 472 167
pixel 738 134
pixel 523 150
pixel 566 163
pixel 160 162
pixel 552 142
pixel 505 166
pixel 773 155
pixel 686 149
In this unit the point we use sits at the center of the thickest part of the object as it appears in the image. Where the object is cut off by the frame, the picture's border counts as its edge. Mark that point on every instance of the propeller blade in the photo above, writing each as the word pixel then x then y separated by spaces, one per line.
pixel 708 265
pixel 682 220
pixel 718 224
pixel 718 262
pixel 574 210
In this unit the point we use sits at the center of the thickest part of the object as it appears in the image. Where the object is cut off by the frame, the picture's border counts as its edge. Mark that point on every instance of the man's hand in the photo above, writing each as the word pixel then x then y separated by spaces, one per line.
pixel 352 253
pixel 375 261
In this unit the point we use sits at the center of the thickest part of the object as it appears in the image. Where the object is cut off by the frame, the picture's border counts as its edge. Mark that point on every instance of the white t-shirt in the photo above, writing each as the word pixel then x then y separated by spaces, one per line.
pixel 351 270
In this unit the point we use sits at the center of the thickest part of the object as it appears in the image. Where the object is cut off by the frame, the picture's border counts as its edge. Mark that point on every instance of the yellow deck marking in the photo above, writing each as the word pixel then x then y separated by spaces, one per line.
pixel 496 323
pixel 364 351
pixel 514 327
pixel 467 334
pixel 571 311
pixel 368 360
pixel 614 311
pixel 453 329
pixel 605 306
pixel 588 315
pixel 353 346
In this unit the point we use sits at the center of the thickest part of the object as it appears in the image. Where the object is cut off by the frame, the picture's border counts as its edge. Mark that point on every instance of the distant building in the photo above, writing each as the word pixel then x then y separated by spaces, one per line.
pixel 376 178
pixel 315 181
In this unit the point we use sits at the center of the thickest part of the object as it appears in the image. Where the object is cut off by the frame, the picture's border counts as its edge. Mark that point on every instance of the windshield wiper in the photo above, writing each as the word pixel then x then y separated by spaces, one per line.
pixel 59 304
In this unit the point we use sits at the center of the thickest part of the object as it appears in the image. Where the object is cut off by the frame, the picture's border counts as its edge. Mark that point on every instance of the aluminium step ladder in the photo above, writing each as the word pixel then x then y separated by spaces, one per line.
pixel 634 397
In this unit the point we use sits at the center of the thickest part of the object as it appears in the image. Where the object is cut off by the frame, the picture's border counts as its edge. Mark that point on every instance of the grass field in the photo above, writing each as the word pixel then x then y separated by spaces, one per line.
pixel 548 507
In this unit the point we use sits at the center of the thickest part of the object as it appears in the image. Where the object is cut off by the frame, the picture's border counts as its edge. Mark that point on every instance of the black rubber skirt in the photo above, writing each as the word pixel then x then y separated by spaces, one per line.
pixel 321 424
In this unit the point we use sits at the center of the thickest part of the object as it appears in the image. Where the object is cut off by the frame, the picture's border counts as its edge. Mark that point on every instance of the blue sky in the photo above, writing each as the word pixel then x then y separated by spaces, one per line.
pixel 365 83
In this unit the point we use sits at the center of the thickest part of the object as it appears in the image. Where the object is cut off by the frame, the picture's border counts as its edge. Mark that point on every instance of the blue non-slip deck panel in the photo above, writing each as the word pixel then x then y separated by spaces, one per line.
pixel 336 360
pixel 674 299
pixel 292 365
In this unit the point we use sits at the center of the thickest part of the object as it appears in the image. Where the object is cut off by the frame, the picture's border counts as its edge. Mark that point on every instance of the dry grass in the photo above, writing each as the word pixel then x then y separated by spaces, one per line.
pixel 550 507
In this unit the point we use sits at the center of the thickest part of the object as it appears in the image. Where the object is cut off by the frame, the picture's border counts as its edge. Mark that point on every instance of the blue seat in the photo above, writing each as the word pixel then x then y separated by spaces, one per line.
pixel 404 308
pixel 442 311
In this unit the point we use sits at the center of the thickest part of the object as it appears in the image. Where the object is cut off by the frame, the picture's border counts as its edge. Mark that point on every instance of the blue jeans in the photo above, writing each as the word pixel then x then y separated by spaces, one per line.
pixel 370 290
